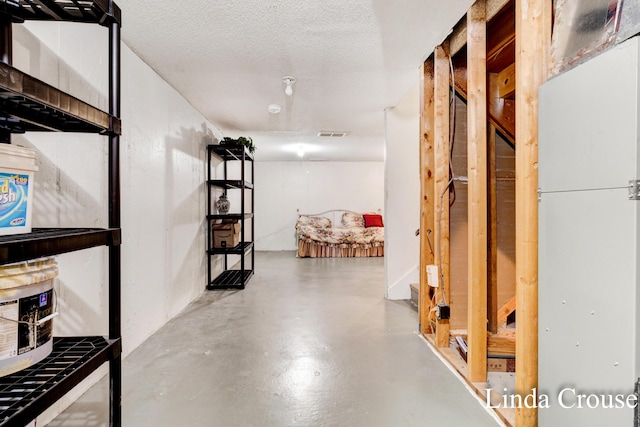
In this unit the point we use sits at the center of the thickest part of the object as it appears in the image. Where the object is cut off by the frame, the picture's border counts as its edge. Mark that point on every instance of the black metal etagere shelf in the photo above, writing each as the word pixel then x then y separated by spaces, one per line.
pixel 238 216
pixel 100 12
pixel 44 242
pixel 220 183
pixel 237 275
pixel 29 391
pixel 241 248
pixel 28 104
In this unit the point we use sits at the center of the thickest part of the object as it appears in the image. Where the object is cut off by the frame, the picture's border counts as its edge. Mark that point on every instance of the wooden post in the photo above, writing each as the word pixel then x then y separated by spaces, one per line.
pixel 477 193
pixel 427 199
pixel 533 32
pixel 492 233
pixel 441 93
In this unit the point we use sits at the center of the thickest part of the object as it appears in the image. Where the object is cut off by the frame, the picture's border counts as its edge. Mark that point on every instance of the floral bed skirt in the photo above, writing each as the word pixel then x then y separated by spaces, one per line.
pixel 313 249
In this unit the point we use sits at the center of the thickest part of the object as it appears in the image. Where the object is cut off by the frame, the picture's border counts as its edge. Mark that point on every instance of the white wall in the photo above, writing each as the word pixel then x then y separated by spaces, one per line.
pixel 311 187
pixel 162 173
pixel 402 196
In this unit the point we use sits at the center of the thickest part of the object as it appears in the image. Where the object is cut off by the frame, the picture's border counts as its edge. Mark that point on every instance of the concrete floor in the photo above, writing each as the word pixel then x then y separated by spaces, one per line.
pixel 309 342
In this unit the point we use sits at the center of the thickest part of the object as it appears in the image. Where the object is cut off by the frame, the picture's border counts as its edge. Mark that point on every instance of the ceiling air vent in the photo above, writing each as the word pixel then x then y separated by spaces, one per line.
pixel 329 134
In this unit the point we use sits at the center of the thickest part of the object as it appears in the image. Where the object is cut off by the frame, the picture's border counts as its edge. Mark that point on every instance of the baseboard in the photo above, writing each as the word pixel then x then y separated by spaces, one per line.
pixel 401 288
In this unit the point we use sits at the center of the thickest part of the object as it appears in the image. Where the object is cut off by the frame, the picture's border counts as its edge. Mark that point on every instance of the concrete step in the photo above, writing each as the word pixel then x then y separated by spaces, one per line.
pixel 415 294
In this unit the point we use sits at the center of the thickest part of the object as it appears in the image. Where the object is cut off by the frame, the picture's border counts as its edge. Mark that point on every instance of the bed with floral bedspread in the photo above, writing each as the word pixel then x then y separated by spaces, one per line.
pixel 359 235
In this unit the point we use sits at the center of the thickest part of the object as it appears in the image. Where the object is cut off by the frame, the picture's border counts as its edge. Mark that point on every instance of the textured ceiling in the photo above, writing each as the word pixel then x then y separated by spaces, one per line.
pixel 351 59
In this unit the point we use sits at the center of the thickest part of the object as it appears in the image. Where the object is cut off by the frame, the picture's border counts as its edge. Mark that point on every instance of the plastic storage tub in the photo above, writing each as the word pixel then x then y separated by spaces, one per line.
pixel 17 166
pixel 27 307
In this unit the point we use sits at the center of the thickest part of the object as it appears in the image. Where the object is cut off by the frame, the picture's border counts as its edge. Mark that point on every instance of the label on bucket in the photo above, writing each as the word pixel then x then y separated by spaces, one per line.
pixel 19 329
pixel 32 308
pixel 14 189
pixel 8 329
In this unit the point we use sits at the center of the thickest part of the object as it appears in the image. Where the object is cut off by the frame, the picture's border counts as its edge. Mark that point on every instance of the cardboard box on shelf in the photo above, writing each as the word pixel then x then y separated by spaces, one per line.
pixel 226 235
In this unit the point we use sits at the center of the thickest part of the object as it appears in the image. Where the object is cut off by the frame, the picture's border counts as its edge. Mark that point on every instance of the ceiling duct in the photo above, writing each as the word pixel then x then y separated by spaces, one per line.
pixel 328 134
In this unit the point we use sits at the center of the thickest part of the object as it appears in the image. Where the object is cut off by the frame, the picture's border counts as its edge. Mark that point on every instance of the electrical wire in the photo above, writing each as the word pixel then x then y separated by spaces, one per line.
pixel 452 132
pixel 452 127
pixel 432 312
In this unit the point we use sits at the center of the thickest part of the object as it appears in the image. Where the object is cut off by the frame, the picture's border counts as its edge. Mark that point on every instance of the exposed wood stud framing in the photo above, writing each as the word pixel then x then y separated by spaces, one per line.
pixel 458 38
pixel 492 233
pixel 427 199
pixel 517 41
pixel 477 193
pixel 493 56
pixel 441 160
pixel 495 6
pixel 504 311
pixel 533 32
pixel 507 82
pixel 502 112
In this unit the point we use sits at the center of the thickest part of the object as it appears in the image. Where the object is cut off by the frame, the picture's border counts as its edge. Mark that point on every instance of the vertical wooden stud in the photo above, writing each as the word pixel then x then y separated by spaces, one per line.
pixel 427 200
pixel 533 32
pixel 441 160
pixel 492 233
pixel 477 193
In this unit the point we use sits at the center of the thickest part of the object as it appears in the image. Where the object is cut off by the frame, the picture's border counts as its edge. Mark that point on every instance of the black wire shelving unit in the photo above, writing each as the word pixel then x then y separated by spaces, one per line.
pixel 237 275
pixel 28 104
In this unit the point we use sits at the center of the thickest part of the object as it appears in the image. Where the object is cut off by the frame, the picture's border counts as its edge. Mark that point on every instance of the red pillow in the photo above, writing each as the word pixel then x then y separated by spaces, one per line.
pixel 372 220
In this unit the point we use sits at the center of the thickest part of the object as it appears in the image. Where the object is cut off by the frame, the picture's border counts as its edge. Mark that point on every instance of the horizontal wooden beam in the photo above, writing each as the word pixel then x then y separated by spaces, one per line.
pixel 501 345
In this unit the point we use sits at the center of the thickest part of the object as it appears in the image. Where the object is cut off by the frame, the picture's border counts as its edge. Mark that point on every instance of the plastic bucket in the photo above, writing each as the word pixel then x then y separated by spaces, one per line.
pixel 27 309
pixel 17 166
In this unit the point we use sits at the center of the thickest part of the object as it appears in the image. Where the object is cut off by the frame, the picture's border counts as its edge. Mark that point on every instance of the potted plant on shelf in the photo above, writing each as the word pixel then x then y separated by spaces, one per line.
pixel 247 142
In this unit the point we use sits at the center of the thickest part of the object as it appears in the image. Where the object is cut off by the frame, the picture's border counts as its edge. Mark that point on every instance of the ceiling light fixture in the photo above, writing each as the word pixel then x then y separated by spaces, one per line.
pixel 302 149
pixel 288 81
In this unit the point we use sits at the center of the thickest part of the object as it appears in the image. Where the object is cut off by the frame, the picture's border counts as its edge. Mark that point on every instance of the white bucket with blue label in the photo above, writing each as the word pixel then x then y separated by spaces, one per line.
pixel 27 309
pixel 17 166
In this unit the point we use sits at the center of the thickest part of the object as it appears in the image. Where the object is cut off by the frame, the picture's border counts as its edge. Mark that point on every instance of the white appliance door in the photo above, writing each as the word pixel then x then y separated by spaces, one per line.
pixel 588 241
pixel 587 304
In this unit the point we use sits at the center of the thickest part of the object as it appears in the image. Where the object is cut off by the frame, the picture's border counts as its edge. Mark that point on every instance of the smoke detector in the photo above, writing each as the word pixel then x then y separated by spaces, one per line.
pixel 274 108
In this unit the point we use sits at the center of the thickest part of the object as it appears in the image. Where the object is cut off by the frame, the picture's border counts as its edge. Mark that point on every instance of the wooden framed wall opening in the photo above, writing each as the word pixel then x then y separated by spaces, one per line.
pixel 479 194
